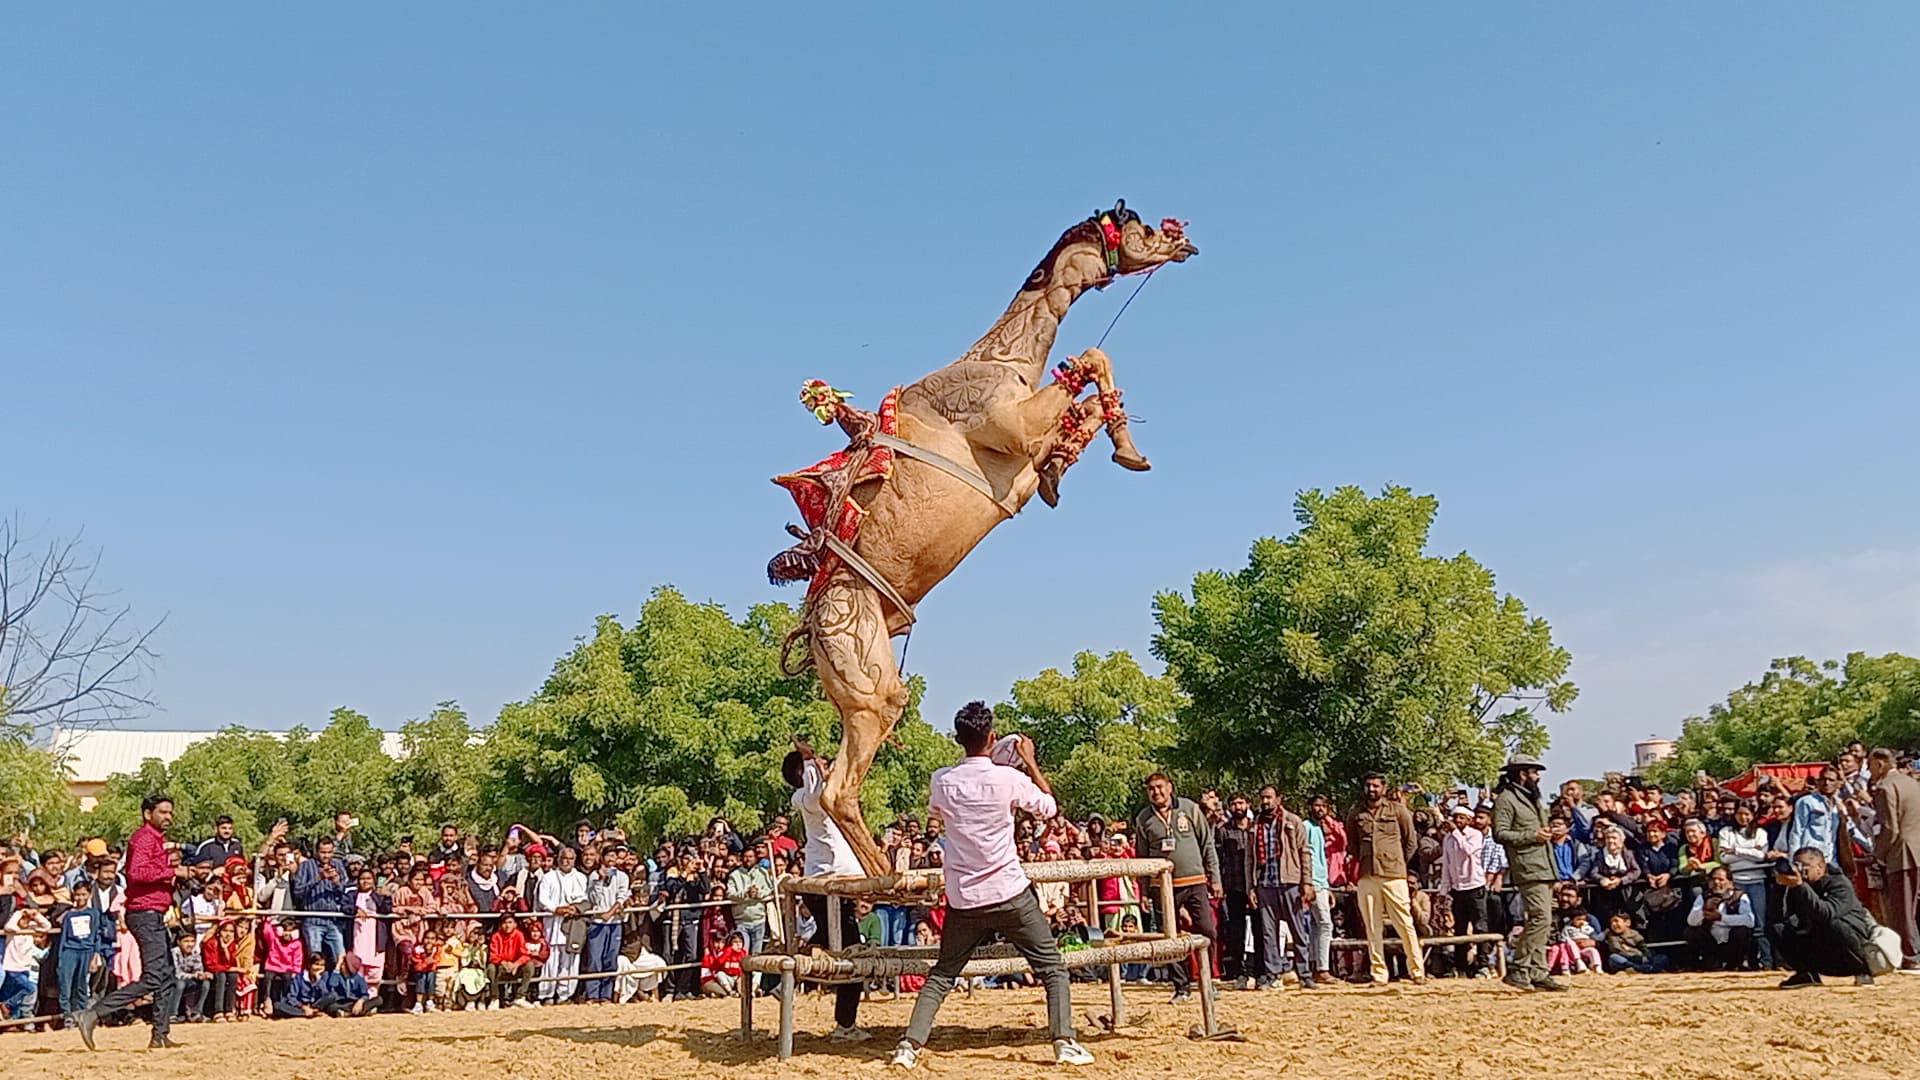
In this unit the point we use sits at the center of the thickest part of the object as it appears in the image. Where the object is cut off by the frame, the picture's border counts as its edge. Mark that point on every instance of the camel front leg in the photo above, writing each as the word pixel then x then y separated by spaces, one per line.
pixel 854 657
pixel 1094 368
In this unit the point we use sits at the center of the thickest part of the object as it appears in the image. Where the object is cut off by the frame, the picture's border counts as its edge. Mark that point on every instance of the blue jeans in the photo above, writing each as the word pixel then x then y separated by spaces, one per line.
pixel 324 936
pixel 894 929
pixel 754 935
pixel 76 970
pixel 17 991
pixel 602 954
pixel 1655 962
pixel 1757 899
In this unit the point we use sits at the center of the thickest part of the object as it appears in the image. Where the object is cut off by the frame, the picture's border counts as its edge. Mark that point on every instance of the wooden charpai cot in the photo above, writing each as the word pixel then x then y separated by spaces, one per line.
pixel 849 963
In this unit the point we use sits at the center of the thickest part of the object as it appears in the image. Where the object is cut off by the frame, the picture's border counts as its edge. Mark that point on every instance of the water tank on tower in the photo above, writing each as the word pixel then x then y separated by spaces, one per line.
pixel 1650 750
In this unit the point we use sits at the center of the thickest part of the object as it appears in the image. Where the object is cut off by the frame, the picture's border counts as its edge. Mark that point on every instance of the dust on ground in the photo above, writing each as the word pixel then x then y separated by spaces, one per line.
pixel 1670 1027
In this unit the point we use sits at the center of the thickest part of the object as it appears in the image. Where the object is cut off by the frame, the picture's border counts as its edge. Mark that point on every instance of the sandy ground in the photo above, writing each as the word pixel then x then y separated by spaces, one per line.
pixel 1675 1027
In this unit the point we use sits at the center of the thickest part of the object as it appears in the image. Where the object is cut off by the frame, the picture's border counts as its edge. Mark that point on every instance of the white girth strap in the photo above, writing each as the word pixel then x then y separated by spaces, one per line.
pixel 944 464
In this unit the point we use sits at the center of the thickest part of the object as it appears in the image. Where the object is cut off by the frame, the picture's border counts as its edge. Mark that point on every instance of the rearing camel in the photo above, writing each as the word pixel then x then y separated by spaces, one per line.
pixel 990 413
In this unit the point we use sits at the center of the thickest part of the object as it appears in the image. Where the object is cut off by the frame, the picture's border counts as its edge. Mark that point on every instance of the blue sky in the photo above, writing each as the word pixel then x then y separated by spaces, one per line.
pixel 381 350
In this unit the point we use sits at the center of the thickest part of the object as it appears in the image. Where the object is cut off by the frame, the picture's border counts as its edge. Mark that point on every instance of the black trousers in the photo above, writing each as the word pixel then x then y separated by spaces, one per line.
pixel 1024 926
pixel 1469 917
pixel 1196 903
pixel 846 996
pixel 1821 954
pixel 149 930
pixel 684 935
pixel 221 990
pixel 1736 952
pixel 1233 939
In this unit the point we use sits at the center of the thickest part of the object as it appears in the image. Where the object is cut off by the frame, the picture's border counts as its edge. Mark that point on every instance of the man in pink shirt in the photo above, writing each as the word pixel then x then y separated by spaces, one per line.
pixel 1463 877
pixel 987 891
pixel 150 878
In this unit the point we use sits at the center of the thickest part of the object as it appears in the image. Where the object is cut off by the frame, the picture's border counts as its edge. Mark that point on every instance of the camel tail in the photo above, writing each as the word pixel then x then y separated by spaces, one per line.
pixel 786 649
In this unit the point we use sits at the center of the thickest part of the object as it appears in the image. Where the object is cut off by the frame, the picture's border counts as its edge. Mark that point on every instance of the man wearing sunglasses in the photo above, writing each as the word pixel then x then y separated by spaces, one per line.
pixel 1822 929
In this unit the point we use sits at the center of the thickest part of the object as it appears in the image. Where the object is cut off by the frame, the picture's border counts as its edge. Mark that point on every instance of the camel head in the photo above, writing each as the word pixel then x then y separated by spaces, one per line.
pixel 1122 242
pixel 1141 246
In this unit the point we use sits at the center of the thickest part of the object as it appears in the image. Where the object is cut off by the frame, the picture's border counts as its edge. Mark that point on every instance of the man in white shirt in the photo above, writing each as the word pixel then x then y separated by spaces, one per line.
pixel 559 898
pixel 1720 925
pixel 1463 877
pixel 987 891
pixel 607 896
pixel 827 852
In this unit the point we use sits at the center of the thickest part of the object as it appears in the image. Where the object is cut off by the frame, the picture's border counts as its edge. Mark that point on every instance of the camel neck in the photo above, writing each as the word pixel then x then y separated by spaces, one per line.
pixel 1024 335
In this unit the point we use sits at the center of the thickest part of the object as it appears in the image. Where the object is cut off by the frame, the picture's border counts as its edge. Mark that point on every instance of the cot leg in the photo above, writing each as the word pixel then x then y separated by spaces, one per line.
pixel 747 979
pixel 786 1014
pixel 1119 999
pixel 1209 1022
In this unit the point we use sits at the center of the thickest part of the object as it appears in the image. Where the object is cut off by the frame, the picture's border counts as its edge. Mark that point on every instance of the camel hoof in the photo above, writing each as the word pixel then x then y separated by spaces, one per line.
pixel 1050 486
pixel 1131 461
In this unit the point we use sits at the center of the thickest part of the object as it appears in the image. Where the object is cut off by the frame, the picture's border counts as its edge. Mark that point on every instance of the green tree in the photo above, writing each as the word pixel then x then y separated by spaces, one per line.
pixel 1346 648
pixel 1098 731
pixel 258 777
pixel 682 716
pixel 1800 711
pixel 436 780
pixel 34 798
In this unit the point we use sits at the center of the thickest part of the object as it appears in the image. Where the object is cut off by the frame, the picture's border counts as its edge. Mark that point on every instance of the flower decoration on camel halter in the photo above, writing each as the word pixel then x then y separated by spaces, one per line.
pixel 821 400
pixel 1113 225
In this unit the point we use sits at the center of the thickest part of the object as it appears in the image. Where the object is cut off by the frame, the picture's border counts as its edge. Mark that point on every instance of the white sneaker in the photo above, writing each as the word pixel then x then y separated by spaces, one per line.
pixel 433 1006
pixel 850 1035
pixel 416 1010
pixel 1070 1052
pixel 906 1056
pixel 523 1003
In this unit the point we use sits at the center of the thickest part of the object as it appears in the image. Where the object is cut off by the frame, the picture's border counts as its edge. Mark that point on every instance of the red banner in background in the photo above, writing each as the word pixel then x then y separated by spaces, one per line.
pixel 1795 778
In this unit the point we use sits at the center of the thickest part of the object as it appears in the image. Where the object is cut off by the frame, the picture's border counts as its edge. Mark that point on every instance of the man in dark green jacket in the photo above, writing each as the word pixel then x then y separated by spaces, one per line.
pixel 1520 826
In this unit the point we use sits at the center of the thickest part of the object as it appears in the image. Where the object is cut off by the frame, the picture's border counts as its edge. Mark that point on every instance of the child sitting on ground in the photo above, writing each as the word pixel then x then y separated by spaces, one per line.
pixel 1576 938
pixel 720 969
pixel 1627 948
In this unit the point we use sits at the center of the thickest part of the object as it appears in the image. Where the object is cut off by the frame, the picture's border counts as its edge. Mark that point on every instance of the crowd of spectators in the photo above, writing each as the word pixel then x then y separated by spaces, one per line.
pixel 1645 882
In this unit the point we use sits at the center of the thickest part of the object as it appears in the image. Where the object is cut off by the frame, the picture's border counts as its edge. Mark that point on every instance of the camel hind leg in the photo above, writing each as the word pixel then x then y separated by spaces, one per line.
pixel 853 654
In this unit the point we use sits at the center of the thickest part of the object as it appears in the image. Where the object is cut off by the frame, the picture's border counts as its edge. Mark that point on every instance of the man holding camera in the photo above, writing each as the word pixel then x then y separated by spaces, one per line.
pixel 1822 929
pixel 320 885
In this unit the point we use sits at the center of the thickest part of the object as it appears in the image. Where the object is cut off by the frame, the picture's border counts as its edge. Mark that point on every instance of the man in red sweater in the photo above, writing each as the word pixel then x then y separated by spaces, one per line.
pixel 150 878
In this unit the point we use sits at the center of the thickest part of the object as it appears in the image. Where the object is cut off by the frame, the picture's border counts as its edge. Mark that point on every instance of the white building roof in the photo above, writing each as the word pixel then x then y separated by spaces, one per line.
pixel 94 755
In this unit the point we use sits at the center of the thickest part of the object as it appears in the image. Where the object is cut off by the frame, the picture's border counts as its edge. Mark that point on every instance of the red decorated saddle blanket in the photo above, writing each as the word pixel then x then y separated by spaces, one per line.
pixel 810 495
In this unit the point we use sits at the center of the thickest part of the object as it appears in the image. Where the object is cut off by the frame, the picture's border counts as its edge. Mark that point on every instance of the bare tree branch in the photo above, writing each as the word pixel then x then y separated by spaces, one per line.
pixel 69 654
